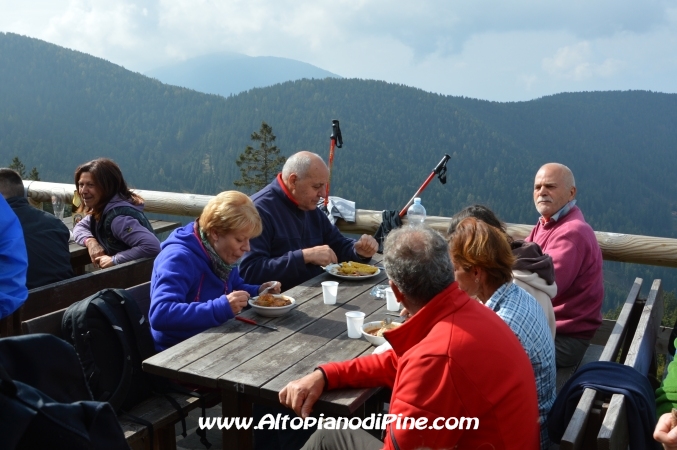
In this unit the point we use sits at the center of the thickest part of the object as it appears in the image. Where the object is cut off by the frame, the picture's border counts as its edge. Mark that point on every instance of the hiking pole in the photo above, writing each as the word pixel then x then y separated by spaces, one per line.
pixel 440 170
pixel 336 141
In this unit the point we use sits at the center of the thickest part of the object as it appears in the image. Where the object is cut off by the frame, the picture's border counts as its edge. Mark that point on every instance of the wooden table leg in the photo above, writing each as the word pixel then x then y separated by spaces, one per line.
pixel 234 404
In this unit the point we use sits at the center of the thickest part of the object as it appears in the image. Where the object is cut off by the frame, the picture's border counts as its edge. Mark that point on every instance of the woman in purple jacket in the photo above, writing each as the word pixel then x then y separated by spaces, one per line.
pixel 196 283
pixel 114 229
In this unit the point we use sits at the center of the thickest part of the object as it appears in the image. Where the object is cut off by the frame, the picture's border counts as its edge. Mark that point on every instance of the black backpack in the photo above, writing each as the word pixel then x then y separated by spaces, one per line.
pixel 45 401
pixel 112 337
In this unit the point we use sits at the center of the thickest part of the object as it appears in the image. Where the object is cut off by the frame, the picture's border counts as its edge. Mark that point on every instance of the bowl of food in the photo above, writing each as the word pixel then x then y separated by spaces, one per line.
pixel 272 305
pixel 373 331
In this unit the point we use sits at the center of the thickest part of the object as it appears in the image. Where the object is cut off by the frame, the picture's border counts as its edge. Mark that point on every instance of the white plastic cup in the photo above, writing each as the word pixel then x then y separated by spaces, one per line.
pixel 355 320
pixel 329 292
pixel 391 302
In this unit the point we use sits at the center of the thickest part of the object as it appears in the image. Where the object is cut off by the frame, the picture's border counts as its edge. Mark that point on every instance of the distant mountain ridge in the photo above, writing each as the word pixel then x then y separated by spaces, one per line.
pixel 231 73
pixel 59 108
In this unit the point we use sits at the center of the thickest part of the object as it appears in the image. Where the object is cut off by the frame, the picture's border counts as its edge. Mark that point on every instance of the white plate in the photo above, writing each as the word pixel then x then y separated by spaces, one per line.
pixel 330 269
pixel 272 311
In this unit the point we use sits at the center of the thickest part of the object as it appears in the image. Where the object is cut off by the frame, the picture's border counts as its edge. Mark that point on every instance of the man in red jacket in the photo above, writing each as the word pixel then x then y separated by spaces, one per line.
pixel 563 233
pixel 452 362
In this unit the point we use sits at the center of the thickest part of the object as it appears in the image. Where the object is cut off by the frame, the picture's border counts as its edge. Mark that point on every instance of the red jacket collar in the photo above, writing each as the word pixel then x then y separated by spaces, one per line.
pixel 416 328
pixel 285 190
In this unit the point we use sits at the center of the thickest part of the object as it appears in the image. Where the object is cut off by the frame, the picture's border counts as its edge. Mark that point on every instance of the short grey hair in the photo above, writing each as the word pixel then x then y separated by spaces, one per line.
pixel 299 163
pixel 417 262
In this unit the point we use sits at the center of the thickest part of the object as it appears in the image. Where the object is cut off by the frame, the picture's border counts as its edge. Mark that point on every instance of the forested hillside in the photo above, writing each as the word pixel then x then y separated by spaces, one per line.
pixel 59 108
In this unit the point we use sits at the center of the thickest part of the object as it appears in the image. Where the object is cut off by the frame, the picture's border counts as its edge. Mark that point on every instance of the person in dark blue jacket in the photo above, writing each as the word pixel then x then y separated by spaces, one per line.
pixel 46 237
pixel 196 283
pixel 297 237
pixel 13 261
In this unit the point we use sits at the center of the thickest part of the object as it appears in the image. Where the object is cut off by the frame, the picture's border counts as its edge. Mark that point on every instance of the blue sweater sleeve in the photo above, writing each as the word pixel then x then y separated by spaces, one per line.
pixel 13 261
pixel 236 283
pixel 176 283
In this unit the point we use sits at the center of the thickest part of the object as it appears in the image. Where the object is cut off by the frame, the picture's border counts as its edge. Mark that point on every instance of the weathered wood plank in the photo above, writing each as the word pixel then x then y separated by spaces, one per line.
pixel 613 433
pixel 573 436
pixel 248 346
pixel 49 323
pixel 158 411
pixel 630 248
pixel 172 360
pixel 576 429
pixel 62 294
pixel 340 402
pixel 642 349
pixel 301 345
pixel 621 328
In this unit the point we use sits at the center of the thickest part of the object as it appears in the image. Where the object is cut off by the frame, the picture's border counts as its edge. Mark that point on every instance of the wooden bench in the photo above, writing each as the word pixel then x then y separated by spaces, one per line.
pixel 586 420
pixel 613 434
pixel 59 295
pixel 156 410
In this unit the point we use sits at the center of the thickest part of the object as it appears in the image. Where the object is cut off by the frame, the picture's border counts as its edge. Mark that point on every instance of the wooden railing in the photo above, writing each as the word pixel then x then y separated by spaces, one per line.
pixel 655 251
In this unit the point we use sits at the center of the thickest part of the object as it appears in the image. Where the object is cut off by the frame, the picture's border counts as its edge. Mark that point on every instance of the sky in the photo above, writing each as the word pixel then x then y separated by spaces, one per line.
pixel 489 49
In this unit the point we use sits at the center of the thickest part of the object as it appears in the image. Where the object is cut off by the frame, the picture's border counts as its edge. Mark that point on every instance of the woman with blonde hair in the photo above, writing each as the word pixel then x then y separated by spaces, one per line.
pixel 483 262
pixel 196 283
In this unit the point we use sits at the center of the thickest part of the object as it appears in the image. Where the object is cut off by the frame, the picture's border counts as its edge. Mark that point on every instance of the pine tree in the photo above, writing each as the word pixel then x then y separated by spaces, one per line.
pixel 259 166
pixel 20 168
pixel 34 175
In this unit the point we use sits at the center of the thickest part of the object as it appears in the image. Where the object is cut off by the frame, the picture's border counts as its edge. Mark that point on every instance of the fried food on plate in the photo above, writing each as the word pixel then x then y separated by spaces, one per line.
pixel 355 269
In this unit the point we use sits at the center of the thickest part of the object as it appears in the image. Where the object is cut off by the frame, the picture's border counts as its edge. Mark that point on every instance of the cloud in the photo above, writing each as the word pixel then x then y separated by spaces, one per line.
pixel 265 26
pixel 485 48
pixel 444 26
pixel 575 62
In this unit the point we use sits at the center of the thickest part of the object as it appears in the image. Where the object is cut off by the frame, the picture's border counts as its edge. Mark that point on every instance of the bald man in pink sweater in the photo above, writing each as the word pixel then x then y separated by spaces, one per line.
pixel 563 233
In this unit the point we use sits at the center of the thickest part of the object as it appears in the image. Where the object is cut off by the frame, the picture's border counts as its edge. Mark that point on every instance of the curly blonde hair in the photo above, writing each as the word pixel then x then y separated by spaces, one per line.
pixel 231 211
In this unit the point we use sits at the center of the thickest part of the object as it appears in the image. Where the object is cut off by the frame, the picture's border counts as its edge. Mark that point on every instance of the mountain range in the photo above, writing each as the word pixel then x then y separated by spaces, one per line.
pixel 231 73
pixel 59 108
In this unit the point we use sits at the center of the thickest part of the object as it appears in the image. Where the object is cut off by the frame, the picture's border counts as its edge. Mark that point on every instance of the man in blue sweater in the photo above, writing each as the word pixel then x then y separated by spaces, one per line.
pixel 297 237
pixel 13 261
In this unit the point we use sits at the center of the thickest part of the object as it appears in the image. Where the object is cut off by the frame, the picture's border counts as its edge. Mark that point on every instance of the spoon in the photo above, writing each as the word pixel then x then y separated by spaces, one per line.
pixel 269 288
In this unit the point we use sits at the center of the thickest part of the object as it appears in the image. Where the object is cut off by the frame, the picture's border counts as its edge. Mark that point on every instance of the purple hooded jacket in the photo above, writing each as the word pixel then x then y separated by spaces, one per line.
pixel 142 243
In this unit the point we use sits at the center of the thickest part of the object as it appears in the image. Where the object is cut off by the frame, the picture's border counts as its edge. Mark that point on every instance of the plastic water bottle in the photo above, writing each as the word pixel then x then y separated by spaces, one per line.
pixel 416 213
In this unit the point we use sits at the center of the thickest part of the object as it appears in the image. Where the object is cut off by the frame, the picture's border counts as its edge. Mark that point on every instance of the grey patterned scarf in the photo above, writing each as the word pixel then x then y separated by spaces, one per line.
pixel 219 266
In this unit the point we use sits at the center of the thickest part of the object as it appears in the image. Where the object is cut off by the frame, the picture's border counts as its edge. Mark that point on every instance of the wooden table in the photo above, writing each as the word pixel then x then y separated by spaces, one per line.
pixel 250 363
pixel 80 255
